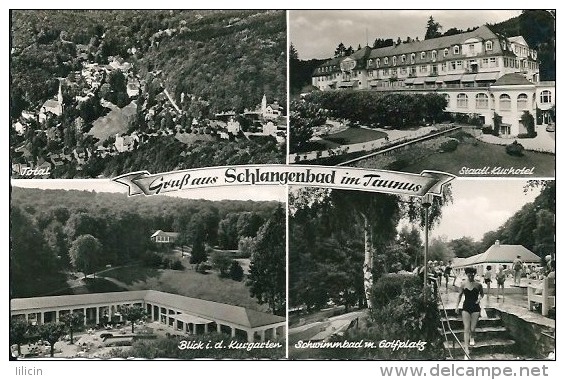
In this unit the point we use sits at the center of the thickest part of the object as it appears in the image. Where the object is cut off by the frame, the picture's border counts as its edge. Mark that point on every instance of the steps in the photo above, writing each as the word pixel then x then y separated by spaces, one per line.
pixel 492 340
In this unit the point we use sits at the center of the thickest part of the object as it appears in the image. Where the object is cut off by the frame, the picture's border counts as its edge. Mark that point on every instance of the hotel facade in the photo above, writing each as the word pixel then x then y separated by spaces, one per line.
pixel 479 72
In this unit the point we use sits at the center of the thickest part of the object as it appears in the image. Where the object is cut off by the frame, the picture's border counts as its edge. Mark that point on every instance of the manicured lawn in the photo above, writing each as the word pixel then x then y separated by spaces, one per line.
pixel 187 283
pixel 101 285
pixel 483 154
pixel 355 135
pixel 131 274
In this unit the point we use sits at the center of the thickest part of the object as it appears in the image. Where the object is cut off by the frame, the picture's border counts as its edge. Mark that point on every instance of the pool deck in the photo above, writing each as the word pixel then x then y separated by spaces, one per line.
pixel 515 303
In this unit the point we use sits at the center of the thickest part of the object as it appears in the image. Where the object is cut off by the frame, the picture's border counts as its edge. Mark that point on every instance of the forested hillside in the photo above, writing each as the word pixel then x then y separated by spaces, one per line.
pixel 538 29
pixel 533 226
pixel 230 58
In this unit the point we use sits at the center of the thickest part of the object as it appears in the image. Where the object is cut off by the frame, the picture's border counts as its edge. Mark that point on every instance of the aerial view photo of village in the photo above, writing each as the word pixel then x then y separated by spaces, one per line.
pixel 475 97
pixel 101 93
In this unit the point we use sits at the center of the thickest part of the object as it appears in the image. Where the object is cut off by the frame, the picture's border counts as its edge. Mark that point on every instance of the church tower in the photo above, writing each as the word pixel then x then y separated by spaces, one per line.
pixel 264 105
pixel 60 98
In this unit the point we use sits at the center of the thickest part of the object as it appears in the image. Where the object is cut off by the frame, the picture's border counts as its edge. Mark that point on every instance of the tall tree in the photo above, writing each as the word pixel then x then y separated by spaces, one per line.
pixel 433 29
pixel 440 250
pixel 52 332
pixel 198 254
pixel 19 332
pixel 466 247
pixel 292 53
pixel 378 214
pixel 304 117
pixel 72 320
pixel 340 50
pixel 267 269
pixel 133 313
pixel 85 254
pixel 411 241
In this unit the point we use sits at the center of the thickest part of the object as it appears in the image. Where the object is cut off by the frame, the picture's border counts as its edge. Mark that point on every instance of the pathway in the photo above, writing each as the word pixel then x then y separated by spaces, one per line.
pixel 543 142
pixel 393 135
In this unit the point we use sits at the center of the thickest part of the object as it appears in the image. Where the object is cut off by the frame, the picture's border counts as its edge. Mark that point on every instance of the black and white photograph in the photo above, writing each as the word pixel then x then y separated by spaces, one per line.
pixel 97 274
pixel 466 275
pixel 467 92
pixel 343 191
pixel 99 93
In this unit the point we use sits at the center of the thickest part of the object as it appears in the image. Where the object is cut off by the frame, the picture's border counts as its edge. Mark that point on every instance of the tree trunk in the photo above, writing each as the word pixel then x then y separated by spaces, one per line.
pixel 368 264
pixel 19 349
pixel 132 326
pixel 52 349
pixel 71 334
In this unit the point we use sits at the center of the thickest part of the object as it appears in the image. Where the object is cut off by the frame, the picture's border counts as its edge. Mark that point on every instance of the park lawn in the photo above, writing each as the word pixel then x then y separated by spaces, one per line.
pixel 355 136
pixel 115 122
pixel 484 154
pixel 131 274
pixel 187 283
pixel 101 285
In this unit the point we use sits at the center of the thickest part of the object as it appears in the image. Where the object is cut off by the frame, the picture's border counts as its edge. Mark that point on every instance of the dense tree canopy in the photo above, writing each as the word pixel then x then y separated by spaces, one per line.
pixel 341 240
pixel 533 226
pixel 45 236
pixel 267 270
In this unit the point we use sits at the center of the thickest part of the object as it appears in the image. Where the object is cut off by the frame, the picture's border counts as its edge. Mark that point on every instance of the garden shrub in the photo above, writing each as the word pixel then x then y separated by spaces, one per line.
pixel 488 130
pixel 177 265
pixel 389 287
pixel 236 271
pixel 515 149
pixel 528 121
pixel 449 145
pixel 400 312
pixel 152 260
pixel 527 135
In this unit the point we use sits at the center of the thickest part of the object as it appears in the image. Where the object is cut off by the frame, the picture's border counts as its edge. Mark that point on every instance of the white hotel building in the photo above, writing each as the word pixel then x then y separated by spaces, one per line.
pixel 479 72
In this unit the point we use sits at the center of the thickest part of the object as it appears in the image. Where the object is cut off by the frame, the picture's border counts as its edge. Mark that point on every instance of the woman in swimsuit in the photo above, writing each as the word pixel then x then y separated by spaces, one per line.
pixel 473 291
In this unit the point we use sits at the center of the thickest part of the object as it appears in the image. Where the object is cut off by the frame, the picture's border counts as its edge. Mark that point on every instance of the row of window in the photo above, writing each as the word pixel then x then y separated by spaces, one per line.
pixel 481 101
pixel 162 238
pixel 424 55
pixel 491 62
pixel 518 64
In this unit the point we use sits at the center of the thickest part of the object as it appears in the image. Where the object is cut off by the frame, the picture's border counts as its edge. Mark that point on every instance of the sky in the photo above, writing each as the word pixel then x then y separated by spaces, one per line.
pixel 316 33
pixel 254 193
pixel 481 205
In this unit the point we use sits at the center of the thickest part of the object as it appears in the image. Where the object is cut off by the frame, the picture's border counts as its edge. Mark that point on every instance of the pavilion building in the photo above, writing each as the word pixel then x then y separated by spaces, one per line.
pixel 184 314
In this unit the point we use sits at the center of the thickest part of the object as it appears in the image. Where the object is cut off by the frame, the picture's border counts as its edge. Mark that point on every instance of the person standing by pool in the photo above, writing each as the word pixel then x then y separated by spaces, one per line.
pixel 488 278
pixel 517 266
pixel 500 278
pixel 447 273
pixel 473 292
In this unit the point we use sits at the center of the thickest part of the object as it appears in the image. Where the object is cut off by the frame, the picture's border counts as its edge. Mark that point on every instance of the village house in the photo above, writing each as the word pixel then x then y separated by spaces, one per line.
pixel 270 111
pixel 163 237
pixel 125 143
